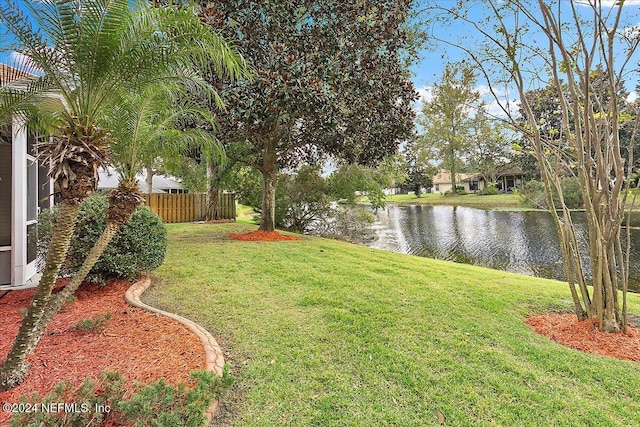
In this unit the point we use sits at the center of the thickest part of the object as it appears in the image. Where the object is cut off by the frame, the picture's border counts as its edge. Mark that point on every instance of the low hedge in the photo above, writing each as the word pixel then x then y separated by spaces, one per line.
pixel 139 246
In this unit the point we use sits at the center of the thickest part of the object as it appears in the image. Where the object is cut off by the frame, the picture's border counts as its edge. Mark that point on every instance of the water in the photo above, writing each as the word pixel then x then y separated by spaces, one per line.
pixel 519 242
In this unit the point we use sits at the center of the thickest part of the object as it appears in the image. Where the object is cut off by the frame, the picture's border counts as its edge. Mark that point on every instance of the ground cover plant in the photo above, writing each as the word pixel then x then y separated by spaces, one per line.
pixel 321 332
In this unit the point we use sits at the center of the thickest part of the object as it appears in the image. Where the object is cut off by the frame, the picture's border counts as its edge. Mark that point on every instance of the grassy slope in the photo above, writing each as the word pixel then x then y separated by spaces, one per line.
pixel 472 200
pixel 323 333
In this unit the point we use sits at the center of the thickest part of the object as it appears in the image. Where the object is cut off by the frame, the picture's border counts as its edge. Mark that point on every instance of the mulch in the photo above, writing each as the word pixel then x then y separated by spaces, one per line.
pixel 142 346
pixel 262 236
pixel 567 330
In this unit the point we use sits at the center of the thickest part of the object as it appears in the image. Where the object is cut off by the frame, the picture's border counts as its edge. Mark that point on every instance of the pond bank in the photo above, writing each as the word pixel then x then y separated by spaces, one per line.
pixel 523 242
pixel 321 332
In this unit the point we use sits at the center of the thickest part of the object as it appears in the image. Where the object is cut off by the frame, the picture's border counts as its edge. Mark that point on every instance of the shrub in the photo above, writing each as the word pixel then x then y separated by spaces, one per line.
pixel 490 190
pixel 96 323
pixel 572 193
pixel 349 223
pixel 534 194
pixel 139 246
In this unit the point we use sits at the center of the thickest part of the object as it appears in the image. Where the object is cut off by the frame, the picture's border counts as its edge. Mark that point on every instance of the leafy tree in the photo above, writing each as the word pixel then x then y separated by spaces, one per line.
pixel 350 181
pixel 581 61
pixel 447 118
pixel 302 199
pixel 490 149
pixel 330 79
pixel 90 54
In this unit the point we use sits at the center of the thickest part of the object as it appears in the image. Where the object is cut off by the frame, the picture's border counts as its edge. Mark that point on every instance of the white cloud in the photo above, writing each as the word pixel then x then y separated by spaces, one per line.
pixel 425 95
pixel 495 105
pixel 498 101
pixel 633 95
pixel 23 62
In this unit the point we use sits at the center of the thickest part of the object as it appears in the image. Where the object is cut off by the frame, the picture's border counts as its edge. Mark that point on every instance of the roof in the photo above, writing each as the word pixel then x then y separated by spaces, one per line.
pixel 161 183
pixel 9 74
pixel 444 177
pixel 511 170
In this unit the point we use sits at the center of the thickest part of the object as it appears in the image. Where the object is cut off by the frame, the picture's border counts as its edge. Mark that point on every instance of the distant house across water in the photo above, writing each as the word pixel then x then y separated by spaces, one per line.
pixel 507 180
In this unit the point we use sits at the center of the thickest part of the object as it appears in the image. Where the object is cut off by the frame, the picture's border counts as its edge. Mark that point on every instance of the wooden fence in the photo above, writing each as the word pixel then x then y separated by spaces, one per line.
pixel 189 207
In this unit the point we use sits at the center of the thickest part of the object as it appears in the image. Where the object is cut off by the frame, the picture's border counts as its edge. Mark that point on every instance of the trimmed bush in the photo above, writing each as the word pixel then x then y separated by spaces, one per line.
pixel 139 246
pixel 490 190
pixel 534 193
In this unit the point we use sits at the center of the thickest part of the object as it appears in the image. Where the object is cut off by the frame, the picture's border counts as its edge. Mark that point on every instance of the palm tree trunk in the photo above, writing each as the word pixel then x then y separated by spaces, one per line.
pixel 123 201
pixel 60 299
pixel 149 179
pixel 14 368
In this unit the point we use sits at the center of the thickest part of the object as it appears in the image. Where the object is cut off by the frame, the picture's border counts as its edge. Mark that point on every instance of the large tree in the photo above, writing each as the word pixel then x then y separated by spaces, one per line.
pixel 330 79
pixel 581 51
pixel 90 54
pixel 490 149
pixel 446 119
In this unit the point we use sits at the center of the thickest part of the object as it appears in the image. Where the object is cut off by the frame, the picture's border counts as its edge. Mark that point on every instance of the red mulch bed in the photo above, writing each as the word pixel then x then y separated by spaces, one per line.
pixel 262 236
pixel 142 346
pixel 585 336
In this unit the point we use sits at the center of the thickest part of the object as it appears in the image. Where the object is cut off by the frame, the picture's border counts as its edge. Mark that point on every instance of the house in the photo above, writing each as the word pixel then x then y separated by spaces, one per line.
pixel 24 190
pixel 470 182
pixel 507 179
pixel 108 179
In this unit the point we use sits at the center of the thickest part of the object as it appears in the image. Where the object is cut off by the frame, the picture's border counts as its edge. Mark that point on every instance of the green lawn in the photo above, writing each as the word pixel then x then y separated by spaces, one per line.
pixel 472 200
pixel 246 215
pixel 324 333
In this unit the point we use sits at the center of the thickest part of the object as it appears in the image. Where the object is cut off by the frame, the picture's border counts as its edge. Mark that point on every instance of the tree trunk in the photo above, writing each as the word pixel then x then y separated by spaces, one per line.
pixel 14 368
pixel 269 176
pixel 61 298
pixel 149 179
pixel 452 155
pixel 213 193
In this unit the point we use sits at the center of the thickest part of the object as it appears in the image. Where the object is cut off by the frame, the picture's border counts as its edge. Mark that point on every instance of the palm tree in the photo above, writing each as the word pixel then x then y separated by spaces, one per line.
pixel 142 126
pixel 89 54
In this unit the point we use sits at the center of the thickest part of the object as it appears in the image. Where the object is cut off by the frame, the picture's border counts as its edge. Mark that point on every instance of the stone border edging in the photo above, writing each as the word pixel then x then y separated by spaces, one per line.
pixel 214 359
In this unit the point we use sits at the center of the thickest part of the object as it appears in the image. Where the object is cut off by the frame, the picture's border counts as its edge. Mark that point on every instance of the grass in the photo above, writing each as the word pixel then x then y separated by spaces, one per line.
pixel 511 201
pixel 324 333
pixel 246 215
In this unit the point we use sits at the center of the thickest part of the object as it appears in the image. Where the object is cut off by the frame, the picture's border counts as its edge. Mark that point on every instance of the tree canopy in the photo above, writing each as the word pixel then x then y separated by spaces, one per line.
pixel 330 80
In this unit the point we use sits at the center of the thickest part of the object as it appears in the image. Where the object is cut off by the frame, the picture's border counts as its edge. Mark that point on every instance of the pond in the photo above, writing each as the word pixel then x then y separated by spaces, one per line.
pixel 519 242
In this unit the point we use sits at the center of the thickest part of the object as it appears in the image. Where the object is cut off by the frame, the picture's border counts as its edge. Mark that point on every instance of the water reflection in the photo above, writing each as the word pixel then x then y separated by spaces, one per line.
pixel 520 242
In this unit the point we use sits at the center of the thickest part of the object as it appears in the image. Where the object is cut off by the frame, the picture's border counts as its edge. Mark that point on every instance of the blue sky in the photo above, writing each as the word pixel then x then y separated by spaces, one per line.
pixel 432 62
pixel 431 65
